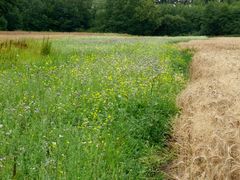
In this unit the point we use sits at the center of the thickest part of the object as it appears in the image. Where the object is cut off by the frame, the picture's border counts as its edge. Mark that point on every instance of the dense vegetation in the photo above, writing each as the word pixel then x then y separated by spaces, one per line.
pixel 88 108
pixel 145 17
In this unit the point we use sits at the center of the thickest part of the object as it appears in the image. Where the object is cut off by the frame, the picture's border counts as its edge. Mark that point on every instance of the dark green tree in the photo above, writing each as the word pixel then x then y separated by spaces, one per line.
pixel 130 16
pixel 69 15
pixel 3 23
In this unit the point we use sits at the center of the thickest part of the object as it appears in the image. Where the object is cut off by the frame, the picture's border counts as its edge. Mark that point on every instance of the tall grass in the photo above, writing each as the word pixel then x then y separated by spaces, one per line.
pixel 96 108
pixel 46 47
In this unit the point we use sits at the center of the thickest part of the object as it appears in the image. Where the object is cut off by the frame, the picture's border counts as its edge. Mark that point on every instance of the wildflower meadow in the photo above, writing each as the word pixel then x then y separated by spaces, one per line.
pixel 97 107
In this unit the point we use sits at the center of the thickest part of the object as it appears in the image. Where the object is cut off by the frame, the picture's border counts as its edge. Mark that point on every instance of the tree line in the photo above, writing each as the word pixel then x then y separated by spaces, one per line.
pixel 140 17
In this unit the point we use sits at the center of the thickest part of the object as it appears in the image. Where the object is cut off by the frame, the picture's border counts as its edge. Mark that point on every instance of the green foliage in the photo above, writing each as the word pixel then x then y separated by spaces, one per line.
pixel 34 16
pixel 14 18
pixel 119 15
pixel 189 17
pixel 44 15
pixel 95 108
pixel 130 16
pixel 139 17
pixel 221 19
pixel 172 25
pixel 3 23
pixel 145 17
pixel 5 5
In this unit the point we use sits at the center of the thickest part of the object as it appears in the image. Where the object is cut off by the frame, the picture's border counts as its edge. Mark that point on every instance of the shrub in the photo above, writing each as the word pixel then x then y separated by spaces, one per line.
pixel 172 25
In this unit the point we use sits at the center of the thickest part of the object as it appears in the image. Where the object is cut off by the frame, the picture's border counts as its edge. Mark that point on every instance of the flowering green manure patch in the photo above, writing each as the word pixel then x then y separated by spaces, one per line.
pixel 92 108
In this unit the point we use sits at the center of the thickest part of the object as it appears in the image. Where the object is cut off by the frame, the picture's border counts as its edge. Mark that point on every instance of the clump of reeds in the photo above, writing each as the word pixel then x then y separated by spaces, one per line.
pixel 46 47
pixel 22 44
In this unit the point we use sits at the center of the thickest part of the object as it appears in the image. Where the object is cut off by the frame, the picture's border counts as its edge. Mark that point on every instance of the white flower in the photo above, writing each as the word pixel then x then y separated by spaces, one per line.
pixel 54 144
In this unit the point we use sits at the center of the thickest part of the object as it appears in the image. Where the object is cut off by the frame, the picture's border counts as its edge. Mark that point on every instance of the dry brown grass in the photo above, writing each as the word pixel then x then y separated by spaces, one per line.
pixel 6 35
pixel 208 130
